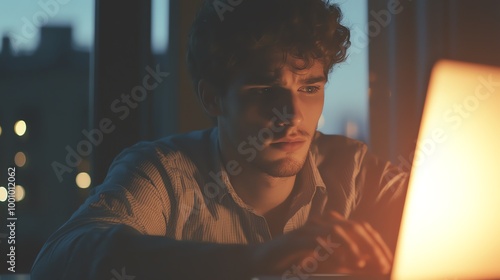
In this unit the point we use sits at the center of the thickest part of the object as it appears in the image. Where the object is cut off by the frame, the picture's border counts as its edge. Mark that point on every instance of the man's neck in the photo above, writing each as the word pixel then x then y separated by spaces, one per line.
pixel 260 191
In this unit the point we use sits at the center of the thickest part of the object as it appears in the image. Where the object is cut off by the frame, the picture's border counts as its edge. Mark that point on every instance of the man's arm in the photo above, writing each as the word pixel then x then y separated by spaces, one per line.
pixel 105 251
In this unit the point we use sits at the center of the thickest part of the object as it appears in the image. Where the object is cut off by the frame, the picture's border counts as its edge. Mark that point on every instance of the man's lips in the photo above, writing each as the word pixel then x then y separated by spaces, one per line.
pixel 289 145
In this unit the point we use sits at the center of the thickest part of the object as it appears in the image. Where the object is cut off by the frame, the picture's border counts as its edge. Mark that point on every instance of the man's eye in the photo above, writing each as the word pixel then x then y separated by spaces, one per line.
pixel 309 90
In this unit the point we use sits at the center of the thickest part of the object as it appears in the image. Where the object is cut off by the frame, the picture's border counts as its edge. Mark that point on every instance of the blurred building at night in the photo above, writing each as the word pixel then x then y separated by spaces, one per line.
pixel 48 90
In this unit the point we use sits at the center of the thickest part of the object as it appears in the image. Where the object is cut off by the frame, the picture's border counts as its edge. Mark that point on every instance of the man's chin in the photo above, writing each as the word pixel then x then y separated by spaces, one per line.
pixel 286 167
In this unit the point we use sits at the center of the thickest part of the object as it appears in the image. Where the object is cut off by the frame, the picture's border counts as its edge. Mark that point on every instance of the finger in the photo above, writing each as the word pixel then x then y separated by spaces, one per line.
pixel 351 237
pixel 375 245
pixel 337 216
pixel 376 236
pixel 364 244
pixel 372 245
pixel 369 249
pixel 372 248
pixel 354 250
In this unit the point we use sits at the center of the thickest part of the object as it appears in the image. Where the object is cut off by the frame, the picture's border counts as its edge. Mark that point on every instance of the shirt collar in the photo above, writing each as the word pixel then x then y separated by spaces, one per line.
pixel 308 182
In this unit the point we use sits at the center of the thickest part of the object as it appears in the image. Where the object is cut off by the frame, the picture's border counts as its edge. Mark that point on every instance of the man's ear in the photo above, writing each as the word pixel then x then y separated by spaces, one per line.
pixel 209 98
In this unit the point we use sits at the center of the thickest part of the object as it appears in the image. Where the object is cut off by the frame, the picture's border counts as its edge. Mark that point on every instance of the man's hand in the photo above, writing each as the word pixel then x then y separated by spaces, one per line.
pixel 330 244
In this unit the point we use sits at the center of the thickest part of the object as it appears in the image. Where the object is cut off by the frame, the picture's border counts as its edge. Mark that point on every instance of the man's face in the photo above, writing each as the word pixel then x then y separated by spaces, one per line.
pixel 270 114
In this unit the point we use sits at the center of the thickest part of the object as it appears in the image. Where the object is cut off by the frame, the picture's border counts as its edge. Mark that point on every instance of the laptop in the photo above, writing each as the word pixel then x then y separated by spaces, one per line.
pixel 451 221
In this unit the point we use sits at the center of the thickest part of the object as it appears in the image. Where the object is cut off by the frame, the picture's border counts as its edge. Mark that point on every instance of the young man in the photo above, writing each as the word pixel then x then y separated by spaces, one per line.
pixel 260 193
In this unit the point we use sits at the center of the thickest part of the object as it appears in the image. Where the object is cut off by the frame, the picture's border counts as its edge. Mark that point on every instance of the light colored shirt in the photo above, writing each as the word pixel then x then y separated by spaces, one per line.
pixel 177 187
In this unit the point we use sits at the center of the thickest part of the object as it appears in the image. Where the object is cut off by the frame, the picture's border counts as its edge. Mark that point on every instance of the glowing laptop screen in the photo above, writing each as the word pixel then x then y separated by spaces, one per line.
pixel 451 222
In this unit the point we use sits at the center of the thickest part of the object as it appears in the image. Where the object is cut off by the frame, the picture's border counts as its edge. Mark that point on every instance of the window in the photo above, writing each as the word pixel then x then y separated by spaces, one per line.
pixel 44 91
pixel 346 101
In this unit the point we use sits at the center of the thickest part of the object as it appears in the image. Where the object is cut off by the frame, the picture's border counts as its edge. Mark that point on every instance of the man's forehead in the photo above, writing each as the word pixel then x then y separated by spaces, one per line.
pixel 273 66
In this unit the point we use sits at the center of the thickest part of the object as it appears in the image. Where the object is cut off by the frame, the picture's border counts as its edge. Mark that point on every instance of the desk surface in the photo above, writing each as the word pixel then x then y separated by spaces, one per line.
pixel 312 277
pixel 325 277
pixel 14 276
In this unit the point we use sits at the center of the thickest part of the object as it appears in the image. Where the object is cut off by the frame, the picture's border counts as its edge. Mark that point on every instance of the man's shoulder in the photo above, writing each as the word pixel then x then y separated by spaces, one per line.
pixel 188 142
pixel 190 145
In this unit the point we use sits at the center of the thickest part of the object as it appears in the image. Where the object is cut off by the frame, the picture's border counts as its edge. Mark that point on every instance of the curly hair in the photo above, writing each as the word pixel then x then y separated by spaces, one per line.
pixel 220 42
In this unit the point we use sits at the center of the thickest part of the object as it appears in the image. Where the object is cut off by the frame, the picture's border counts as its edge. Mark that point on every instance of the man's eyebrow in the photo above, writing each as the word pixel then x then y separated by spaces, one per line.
pixel 313 80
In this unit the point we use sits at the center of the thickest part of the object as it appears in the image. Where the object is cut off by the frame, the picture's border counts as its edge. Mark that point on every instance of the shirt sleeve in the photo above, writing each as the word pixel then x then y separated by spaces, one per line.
pixel 119 232
pixel 134 193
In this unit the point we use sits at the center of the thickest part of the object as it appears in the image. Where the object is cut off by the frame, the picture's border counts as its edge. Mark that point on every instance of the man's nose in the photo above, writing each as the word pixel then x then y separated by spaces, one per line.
pixel 293 106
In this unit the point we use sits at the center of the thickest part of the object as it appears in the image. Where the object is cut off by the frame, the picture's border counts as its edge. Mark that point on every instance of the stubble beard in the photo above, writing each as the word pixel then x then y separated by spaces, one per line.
pixel 285 167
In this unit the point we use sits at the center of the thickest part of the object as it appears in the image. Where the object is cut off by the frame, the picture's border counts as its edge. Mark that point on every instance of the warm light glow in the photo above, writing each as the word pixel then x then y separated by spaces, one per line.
pixel 3 194
pixel 321 121
pixel 19 193
pixel 0 130
pixel 451 221
pixel 20 128
pixel 83 180
pixel 351 129
pixel 20 159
